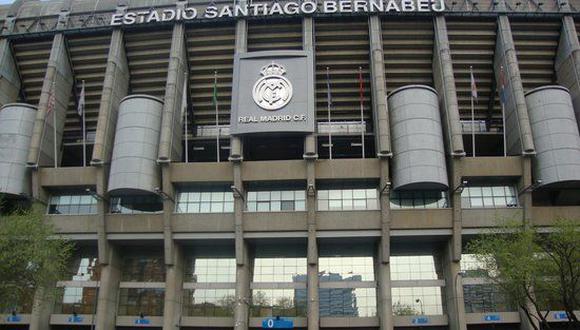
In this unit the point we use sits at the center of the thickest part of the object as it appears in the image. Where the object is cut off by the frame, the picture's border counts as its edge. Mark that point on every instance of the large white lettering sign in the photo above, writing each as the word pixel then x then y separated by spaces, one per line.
pixel 290 8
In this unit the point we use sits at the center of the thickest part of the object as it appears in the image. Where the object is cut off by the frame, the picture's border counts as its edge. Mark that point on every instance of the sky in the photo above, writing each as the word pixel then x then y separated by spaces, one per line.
pixel 3 2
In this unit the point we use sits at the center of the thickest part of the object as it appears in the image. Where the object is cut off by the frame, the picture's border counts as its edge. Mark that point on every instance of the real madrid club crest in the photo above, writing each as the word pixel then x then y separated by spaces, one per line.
pixel 272 91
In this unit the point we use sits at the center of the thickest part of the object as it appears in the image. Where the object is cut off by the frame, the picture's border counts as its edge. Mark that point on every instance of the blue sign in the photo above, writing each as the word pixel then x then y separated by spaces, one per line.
pixel 560 316
pixel 75 319
pixel 14 318
pixel 420 320
pixel 142 321
pixel 277 323
pixel 492 317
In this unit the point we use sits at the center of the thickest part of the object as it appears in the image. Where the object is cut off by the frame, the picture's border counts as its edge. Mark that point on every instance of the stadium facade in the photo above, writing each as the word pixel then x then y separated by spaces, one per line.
pixel 322 161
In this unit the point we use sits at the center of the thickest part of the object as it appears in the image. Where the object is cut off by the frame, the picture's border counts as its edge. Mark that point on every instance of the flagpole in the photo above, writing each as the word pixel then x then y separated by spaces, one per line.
pixel 328 105
pixel 54 125
pixel 184 97
pixel 216 117
pixel 84 130
pixel 472 114
pixel 362 134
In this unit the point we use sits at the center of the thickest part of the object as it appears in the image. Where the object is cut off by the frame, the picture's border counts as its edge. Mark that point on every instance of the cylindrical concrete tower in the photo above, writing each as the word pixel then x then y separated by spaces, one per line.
pixel 16 124
pixel 133 165
pixel 555 132
pixel 418 150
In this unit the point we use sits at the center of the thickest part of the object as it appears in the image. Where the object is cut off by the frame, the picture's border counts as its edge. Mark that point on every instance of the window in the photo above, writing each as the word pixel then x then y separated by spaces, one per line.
pixel 276 200
pixel 419 199
pixel 205 199
pixel 210 270
pixel 489 196
pixel 78 300
pixel 280 269
pixel 347 199
pixel 209 302
pixel 83 267
pixel 72 204
pixel 473 267
pixel 133 301
pixel 424 267
pixel 418 301
pixel 136 204
pixel 348 302
pixel 334 269
pixel 143 268
pixel 278 302
pixel 485 298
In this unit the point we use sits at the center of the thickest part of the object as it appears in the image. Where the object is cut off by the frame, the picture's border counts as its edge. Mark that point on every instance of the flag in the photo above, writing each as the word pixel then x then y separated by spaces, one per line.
pixel 473 86
pixel 501 85
pixel 184 97
pixel 215 95
pixel 328 94
pixel 51 99
pixel 81 105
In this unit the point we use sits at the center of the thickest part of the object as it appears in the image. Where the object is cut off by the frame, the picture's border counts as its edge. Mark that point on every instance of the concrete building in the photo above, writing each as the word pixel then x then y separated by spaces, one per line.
pixel 326 147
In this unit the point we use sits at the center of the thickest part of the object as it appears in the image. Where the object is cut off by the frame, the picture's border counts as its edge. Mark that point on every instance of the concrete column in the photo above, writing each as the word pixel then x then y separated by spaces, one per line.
pixel 518 130
pixel 453 289
pixel 312 250
pixel 108 290
pixel 379 89
pixel 384 299
pixel 310 143
pixel 525 198
pixel 115 87
pixel 445 85
pixel 243 278
pixel 9 77
pixel 173 291
pixel 241 46
pixel 60 76
pixel 170 148
pixel 567 65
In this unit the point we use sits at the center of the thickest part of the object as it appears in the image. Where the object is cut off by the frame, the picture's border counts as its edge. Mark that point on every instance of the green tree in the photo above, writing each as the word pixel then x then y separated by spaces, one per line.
pixel 400 309
pixel 31 256
pixel 535 271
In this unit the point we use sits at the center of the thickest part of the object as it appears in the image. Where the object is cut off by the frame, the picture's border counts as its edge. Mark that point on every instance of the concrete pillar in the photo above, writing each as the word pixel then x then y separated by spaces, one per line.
pixel 518 131
pixel 310 143
pixel 444 81
pixel 59 76
pixel 453 289
pixel 10 82
pixel 241 46
pixel 379 89
pixel 108 290
pixel 567 65
pixel 525 198
pixel 173 291
pixel 170 148
pixel 115 87
pixel 384 299
pixel 243 278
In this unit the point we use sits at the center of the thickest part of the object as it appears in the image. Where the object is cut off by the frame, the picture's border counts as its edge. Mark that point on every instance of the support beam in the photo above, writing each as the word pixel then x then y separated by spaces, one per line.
pixel 310 143
pixel 518 131
pixel 59 76
pixel 567 64
pixel 384 301
pixel 10 82
pixel 108 290
pixel 379 89
pixel 445 85
pixel 170 148
pixel 453 289
pixel 173 291
pixel 115 87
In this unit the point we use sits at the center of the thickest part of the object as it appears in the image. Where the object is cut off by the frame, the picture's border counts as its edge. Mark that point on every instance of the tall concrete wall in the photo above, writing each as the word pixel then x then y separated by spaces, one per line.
pixel 115 87
pixel 9 77
pixel 518 132
pixel 58 77
pixel 445 85
pixel 108 291
pixel 567 64
pixel 170 148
